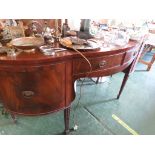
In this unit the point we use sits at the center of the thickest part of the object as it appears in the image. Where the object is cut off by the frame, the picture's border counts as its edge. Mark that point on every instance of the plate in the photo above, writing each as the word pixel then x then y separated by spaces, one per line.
pixel 81 44
pixel 27 43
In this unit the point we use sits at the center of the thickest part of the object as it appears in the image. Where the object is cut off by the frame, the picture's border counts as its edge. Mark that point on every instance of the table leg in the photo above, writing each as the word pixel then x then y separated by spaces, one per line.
pixel 98 78
pixel 13 118
pixel 66 120
pixel 126 76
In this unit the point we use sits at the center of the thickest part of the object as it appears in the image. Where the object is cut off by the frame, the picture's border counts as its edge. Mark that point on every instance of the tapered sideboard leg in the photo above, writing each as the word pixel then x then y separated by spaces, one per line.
pixel 66 120
pixel 126 76
pixel 5 112
pixel 13 118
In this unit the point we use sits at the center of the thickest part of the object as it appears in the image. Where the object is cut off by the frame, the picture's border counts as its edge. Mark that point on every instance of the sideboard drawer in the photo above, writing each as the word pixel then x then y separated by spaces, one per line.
pixel 98 63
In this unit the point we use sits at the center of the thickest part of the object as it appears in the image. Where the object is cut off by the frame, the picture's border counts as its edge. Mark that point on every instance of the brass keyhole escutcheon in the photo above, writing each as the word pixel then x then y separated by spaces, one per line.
pixel 102 64
pixel 28 93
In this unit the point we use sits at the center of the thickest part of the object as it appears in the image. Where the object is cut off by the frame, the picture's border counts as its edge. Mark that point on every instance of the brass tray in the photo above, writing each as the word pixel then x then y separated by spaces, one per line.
pixel 89 44
pixel 27 43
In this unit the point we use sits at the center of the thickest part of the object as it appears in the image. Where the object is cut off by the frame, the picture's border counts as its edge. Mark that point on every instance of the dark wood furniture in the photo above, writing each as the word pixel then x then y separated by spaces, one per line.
pixel 149 45
pixel 148 63
pixel 35 84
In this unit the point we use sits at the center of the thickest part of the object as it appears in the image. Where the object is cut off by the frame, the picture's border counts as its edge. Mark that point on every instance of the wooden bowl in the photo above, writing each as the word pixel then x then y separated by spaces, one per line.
pixel 27 43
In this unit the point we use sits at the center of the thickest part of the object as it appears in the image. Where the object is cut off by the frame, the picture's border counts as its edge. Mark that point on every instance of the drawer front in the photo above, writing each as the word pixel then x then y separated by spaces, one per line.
pixel 97 63
pixel 130 54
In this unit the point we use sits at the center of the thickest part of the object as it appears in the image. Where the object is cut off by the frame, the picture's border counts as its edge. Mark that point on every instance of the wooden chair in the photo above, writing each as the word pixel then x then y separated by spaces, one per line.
pixel 131 68
pixel 149 45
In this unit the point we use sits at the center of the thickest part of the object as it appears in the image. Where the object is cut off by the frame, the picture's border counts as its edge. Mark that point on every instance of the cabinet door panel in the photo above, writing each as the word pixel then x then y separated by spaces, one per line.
pixel 34 92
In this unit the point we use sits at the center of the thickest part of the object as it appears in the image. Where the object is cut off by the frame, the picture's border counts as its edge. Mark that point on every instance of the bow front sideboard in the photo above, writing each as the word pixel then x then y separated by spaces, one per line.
pixel 35 84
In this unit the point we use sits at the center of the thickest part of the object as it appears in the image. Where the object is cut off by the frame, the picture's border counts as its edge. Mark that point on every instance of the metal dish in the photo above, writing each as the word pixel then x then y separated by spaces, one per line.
pixel 89 44
pixel 27 43
pixel 47 50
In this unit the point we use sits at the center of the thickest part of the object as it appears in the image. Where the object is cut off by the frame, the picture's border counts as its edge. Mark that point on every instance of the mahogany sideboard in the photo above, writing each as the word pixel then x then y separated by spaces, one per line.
pixel 35 84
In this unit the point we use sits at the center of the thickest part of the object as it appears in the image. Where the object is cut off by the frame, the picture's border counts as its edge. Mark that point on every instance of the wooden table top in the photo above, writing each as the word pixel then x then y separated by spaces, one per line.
pixel 38 57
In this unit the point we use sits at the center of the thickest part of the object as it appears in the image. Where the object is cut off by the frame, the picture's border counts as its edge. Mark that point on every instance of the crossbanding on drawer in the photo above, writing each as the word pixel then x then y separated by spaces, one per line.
pixel 98 63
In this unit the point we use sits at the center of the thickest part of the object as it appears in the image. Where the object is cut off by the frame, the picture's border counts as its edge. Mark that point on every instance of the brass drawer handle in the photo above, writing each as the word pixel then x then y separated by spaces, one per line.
pixel 102 64
pixel 27 93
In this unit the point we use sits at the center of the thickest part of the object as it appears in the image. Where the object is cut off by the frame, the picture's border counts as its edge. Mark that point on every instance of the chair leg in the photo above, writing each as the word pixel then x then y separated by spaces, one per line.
pixel 151 63
pixel 66 120
pixel 126 76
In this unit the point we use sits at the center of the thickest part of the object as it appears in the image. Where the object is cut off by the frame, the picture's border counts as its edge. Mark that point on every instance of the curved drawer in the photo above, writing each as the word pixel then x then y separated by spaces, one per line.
pixel 98 63
pixel 81 66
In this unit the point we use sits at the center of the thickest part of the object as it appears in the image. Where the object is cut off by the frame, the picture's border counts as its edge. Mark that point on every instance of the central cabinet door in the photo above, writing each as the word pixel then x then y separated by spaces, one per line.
pixel 35 90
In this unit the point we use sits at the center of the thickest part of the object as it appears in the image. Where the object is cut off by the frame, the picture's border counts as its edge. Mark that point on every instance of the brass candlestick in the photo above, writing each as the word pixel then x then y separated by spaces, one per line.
pixel 57 33
pixel 56 29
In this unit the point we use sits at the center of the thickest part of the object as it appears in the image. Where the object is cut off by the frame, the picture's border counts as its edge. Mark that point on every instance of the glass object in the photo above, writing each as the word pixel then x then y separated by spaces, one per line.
pixel 119 38
pixel 93 30
pixel 107 39
pixel 122 38
pixel 99 36
pixel 11 53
